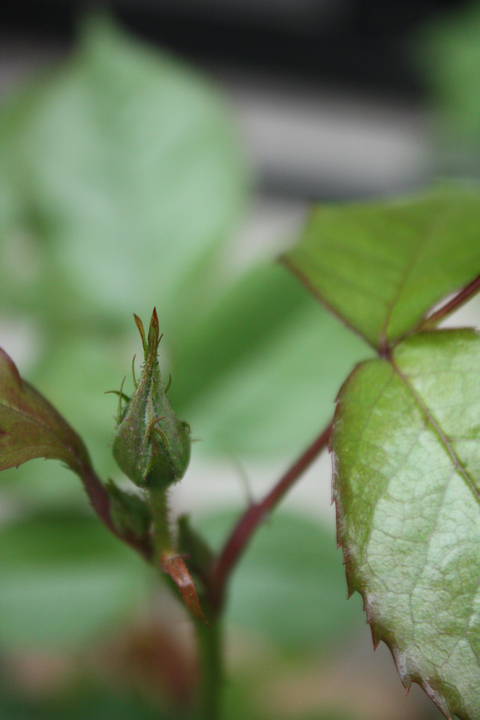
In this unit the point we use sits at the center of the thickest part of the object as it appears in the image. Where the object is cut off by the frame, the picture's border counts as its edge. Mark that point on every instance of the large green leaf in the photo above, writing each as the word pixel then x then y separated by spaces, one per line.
pixel 120 174
pixel 64 579
pixel 260 374
pixel 407 487
pixel 381 266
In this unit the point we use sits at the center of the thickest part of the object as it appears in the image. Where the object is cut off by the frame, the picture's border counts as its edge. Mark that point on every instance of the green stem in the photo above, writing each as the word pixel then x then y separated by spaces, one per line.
pixel 161 526
pixel 210 650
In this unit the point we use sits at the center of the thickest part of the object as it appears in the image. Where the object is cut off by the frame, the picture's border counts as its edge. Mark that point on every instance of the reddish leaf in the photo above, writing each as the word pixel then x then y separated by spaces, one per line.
pixel 30 427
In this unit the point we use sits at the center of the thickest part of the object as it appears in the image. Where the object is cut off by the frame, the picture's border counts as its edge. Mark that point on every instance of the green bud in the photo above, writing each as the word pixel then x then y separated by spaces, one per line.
pixel 151 446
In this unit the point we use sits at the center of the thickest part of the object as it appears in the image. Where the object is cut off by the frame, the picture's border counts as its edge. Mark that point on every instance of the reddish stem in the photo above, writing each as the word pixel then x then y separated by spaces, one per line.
pixel 254 515
pixel 460 299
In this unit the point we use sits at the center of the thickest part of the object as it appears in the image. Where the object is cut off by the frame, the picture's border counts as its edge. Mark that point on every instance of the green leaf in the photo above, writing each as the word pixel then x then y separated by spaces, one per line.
pixel 447 51
pixel 64 579
pixel 121 178
pixel 407 487
pixel 30 427
pixel 382 266
pixel 288 583
pixel 260 374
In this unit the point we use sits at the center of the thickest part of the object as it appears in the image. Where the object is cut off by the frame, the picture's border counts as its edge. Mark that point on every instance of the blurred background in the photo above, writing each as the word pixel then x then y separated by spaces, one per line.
pixel 164 153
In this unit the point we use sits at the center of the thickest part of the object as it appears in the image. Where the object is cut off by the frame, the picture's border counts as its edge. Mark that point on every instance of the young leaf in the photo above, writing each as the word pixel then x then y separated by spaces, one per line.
pixel 381 266
pixel 30 427
pixel 407 487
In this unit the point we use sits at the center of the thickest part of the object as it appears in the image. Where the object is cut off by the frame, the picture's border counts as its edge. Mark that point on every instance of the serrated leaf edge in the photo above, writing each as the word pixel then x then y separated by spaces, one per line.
pixel 406 669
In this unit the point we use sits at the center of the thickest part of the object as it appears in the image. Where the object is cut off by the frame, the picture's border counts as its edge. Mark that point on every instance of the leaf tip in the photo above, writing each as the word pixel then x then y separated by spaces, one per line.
pixel 12 368
pixel 141 330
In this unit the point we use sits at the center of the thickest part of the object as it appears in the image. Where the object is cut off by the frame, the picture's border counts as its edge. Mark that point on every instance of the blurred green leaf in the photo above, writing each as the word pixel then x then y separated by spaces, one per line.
pixel 407 486
pixel 120 174
pixel 381 266
pixel 447 51
pixel 120 179
pixel 290 585
pixel 30 427
pixel 81 703
pixel 260 374
pixel 63 580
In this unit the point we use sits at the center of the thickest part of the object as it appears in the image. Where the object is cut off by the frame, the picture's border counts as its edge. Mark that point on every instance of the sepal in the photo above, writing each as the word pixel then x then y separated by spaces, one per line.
pixel 130 513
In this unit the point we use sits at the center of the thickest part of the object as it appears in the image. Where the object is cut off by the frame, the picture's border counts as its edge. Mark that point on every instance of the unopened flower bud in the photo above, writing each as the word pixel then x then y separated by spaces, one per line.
pixel 151 446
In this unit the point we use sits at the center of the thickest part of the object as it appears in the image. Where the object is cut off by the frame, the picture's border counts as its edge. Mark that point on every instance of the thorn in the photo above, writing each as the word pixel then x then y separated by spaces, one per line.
pixel 349 594
pixel 169 383
pixel 185 424
pixel 376 636
pixel 407 683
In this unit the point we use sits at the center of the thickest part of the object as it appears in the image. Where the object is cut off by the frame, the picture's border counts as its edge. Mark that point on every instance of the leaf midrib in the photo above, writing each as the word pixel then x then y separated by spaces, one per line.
pixel 457 463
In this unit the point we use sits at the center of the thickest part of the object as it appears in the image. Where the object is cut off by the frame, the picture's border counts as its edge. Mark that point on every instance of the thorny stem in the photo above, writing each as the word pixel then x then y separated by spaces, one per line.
pixel 254 515
pixel 460 299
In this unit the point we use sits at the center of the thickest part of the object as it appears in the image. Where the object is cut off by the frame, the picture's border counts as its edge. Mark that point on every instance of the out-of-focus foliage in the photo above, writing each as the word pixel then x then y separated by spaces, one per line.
pixel 121 174
pixel 446 53
pixel 121 183
pixel 449 50
pixel 261 373
pixel 122 180
pixel 290 585
pixel 64 578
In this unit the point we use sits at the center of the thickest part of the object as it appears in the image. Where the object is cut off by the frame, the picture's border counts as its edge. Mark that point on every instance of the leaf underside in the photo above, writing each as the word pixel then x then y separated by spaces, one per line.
pixel 406 483
pixel 382 266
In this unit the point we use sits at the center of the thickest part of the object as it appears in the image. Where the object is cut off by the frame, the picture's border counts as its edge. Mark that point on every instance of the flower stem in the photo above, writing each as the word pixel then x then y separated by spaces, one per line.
pixel 210 647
